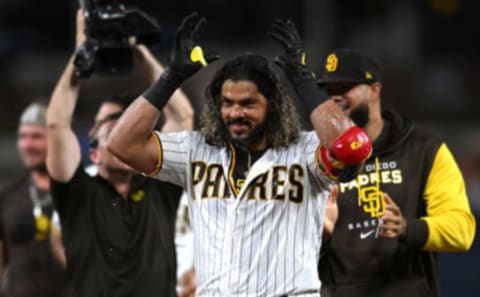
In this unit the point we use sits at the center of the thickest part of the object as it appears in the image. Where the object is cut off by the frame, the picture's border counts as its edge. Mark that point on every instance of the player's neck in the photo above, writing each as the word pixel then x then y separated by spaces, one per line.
pixel 251 156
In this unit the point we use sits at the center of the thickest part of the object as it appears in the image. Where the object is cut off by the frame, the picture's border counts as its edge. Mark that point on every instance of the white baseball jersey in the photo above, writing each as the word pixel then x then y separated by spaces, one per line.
pixel 263 240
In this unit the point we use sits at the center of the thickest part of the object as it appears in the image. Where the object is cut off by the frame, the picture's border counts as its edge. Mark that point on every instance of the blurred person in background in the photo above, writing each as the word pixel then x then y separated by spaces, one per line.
pixel 408 203
pixel 27 268
pixel 131 249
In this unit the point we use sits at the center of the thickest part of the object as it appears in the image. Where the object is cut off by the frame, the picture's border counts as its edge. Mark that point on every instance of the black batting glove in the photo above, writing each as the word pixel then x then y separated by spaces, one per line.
pixel 292 61
pixel 187 56
pixel 186 59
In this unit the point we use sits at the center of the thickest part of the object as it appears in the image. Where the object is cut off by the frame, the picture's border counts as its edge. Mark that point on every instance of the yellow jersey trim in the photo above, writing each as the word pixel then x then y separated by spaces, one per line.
pixel 231 169
pixel 158 166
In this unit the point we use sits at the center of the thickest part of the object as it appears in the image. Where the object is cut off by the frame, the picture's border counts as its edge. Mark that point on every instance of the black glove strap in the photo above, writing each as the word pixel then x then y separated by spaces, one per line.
pixel 310 94
pixel 161 91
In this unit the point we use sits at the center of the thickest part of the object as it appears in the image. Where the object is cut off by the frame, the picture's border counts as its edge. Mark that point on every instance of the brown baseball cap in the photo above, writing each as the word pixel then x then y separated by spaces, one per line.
pixel 349 66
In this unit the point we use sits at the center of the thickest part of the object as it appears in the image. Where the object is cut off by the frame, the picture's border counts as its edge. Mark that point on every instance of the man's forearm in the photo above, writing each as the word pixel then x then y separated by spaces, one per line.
pixel 63 148
pixel 150 66
pixel 64 98
pixel 329 121
pixel 178 113
pixel 344 146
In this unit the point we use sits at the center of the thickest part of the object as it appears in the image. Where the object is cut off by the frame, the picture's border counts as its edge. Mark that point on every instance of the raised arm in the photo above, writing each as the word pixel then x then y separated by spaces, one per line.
pixel 64 154
pixel 344 146
pixel 132 140
pixel 178 112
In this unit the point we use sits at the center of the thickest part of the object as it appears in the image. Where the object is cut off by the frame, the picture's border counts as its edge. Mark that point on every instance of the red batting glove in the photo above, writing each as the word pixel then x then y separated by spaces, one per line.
pixel 350 148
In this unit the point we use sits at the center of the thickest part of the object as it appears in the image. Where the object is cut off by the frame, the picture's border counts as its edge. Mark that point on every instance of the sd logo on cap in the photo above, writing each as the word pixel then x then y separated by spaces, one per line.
pixel 350 66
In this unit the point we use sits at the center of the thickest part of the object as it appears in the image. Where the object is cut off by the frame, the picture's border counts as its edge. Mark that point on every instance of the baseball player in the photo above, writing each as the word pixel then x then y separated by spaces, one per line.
pixel 257 185
pixel 401 211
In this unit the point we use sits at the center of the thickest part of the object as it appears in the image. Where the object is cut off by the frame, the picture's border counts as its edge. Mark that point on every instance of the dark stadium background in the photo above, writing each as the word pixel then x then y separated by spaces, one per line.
pixel 429 50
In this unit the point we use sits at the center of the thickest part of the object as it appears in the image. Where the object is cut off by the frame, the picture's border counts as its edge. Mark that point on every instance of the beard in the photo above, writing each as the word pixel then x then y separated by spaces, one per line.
pixel 360 115
pixel 255 135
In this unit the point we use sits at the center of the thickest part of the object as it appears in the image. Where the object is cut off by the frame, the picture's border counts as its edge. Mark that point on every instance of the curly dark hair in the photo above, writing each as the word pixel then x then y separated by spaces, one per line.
pixel 282 125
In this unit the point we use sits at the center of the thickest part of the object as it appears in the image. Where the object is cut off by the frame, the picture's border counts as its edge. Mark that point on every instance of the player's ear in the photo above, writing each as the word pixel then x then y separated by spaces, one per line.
pixel 93 155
